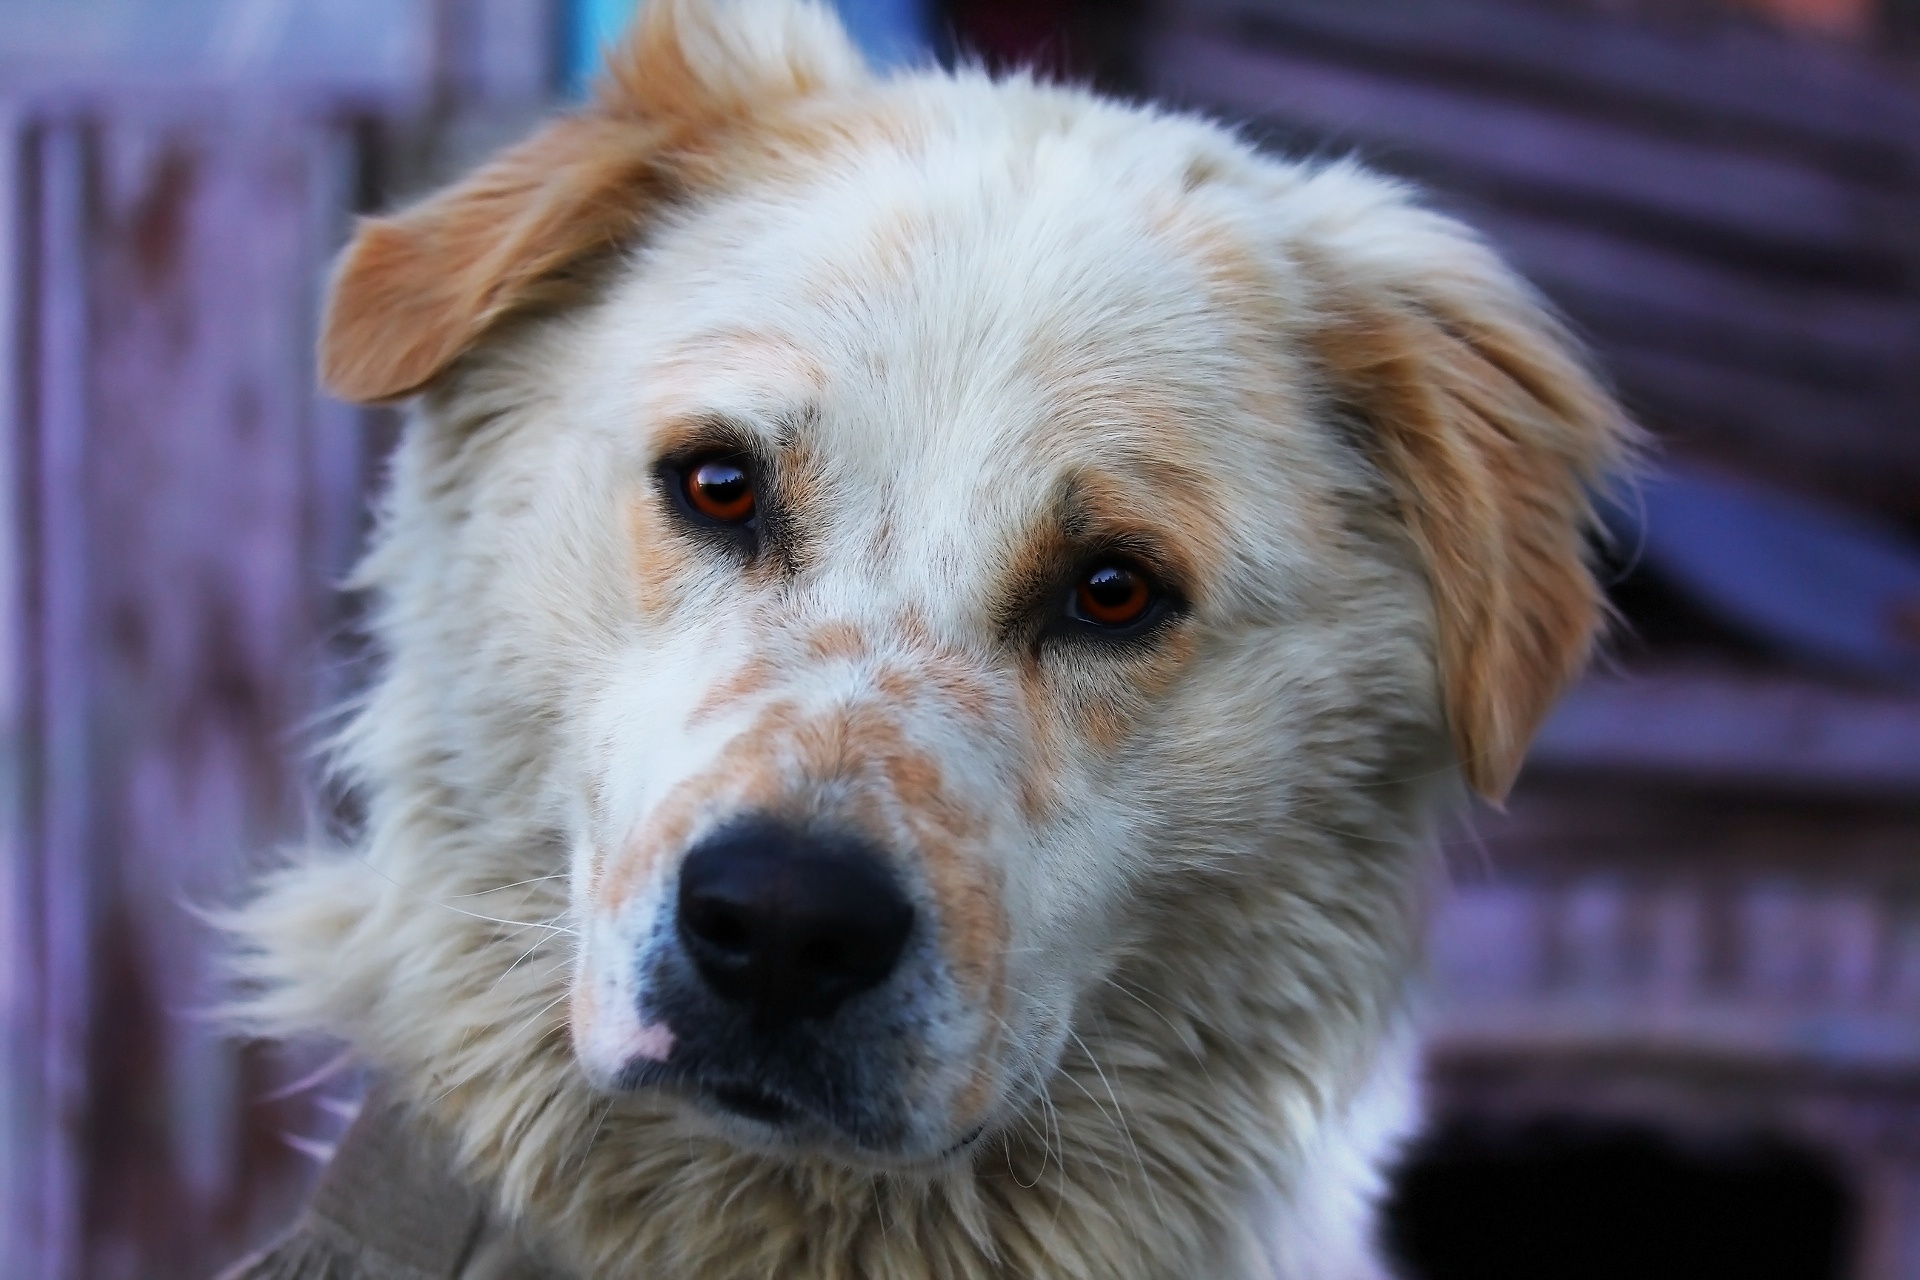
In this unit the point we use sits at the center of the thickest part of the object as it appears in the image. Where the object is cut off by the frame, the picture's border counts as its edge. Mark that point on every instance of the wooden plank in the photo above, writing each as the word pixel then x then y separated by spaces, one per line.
pixel 187 502
pixel 69 888
pixel 1579 166
pixel 1843 334
pixel 1859 445
pixel 1713 81
pixel 1753 968
pixel 207 613
pixel 1733 731
pixel 1751 304
pixel 19 968
pixel 1730 1038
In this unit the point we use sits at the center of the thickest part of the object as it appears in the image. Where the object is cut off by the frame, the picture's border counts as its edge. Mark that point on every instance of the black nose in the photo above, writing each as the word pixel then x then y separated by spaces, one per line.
pixel 790 923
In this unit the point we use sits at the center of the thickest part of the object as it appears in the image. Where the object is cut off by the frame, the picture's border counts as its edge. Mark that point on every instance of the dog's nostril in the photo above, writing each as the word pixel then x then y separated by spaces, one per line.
pixel 823 955
pixel 789 923
pixel 721 929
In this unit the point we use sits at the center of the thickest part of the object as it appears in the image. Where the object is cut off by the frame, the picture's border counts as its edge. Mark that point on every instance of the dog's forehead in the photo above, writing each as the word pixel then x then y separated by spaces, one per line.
pixel 967 336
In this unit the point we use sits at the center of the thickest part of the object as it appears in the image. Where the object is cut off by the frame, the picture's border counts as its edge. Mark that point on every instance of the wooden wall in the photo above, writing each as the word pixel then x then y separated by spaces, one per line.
pixel 175 499
pixel 1730 216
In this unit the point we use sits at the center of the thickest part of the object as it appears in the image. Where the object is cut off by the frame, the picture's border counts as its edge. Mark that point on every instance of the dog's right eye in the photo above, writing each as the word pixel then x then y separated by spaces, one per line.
pixel 1113 595
pixel 721 489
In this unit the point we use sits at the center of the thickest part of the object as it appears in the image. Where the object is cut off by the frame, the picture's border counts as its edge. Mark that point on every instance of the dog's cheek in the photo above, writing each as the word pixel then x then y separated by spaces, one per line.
pixel 1088 715
pixel 660 568
pixel 613 1030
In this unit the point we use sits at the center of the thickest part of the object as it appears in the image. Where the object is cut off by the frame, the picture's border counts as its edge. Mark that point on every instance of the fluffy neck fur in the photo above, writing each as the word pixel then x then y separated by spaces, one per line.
pixel 1203 1123
pixel 1167 1145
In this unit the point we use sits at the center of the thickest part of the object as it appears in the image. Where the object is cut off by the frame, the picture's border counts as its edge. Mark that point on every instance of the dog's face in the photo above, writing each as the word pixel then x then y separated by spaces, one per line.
pixel 942 591
pixel 969 513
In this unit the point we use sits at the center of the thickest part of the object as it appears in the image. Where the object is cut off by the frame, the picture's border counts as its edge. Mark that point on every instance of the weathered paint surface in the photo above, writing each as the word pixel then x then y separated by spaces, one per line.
pixel 176 499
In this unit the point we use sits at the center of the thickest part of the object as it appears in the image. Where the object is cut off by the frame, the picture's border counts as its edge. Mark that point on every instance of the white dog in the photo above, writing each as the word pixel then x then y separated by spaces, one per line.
pixel 926 622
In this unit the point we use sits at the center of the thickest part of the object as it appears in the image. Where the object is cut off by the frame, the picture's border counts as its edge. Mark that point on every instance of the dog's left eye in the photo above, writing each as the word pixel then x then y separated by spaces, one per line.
pixel 1113 595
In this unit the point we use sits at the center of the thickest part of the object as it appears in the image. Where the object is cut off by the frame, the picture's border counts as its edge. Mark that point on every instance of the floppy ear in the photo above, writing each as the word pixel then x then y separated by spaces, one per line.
pixel 1492 432
pixel 416 289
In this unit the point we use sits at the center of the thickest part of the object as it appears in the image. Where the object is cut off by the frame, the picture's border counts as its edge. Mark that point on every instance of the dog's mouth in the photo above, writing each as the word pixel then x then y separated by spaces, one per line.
pixel 752 1103
pixel 963 1144
pixel 794 1123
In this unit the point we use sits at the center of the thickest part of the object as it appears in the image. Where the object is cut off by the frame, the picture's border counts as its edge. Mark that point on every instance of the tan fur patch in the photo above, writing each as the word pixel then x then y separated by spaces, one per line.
pixel 862 744
pixel 753 677
pixel 840 641
pixel 1040 779
pixel 960 691
pixel 940 672
pixel 415 290
pixel 659 560
pixel 1489 429
pixel 865 743
pixel 747 776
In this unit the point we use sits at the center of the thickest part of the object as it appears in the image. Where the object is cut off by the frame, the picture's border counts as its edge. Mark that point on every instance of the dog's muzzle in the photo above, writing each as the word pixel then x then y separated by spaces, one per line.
pixel 790 978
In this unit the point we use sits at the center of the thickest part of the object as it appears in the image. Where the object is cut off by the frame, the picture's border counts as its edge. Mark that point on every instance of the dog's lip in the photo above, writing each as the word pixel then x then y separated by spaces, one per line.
pixel 954 1150
pixel 738 1100
pixel 762 1106
pixel 744 1101
pixel 750 1102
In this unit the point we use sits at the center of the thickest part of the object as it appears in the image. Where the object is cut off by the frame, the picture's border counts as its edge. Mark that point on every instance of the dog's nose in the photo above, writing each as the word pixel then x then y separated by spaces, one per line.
pixel 790 923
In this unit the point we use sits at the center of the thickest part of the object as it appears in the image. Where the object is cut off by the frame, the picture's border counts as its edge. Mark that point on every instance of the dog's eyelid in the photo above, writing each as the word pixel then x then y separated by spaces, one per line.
pixel 715 439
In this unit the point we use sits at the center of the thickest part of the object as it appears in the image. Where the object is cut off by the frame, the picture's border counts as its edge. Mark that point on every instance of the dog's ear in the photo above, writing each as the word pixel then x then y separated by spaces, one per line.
pixel 1492 432
pixel 416 289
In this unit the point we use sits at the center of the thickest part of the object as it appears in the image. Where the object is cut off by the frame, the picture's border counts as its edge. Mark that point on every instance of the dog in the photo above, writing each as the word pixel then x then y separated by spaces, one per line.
pixel 927 625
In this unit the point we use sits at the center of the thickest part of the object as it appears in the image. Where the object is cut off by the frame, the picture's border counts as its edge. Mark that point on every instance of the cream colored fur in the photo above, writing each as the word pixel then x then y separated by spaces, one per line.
pixel 1190 877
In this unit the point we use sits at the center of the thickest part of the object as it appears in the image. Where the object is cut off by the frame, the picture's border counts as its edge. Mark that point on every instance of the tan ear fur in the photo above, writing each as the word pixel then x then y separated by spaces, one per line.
pixel 1493 433
pixel 416 289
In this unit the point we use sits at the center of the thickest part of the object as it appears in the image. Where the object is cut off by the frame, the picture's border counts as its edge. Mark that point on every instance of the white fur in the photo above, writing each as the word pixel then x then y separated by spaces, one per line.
pixel 1200 1056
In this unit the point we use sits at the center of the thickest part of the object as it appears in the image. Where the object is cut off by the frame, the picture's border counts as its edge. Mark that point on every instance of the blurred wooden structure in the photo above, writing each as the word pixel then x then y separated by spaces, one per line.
pixel 177 501
pixel 1731 216
pixel 1702 910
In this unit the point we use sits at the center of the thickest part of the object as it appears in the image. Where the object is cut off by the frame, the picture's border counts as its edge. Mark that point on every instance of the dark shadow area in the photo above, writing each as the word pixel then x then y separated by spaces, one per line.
pixel 1562 1201
pixel 1659 621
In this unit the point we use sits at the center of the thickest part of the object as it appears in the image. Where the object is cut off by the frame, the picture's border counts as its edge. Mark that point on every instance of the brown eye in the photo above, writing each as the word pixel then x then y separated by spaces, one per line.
pixel 1113 596
pixel 721 489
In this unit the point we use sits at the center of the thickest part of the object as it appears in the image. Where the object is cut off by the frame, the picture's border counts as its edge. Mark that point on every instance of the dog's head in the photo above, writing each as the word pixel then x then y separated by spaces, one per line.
pixel 907 537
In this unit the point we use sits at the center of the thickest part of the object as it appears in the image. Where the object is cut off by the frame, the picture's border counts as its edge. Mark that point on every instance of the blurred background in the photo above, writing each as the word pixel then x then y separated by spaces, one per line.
pixel 1678 989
